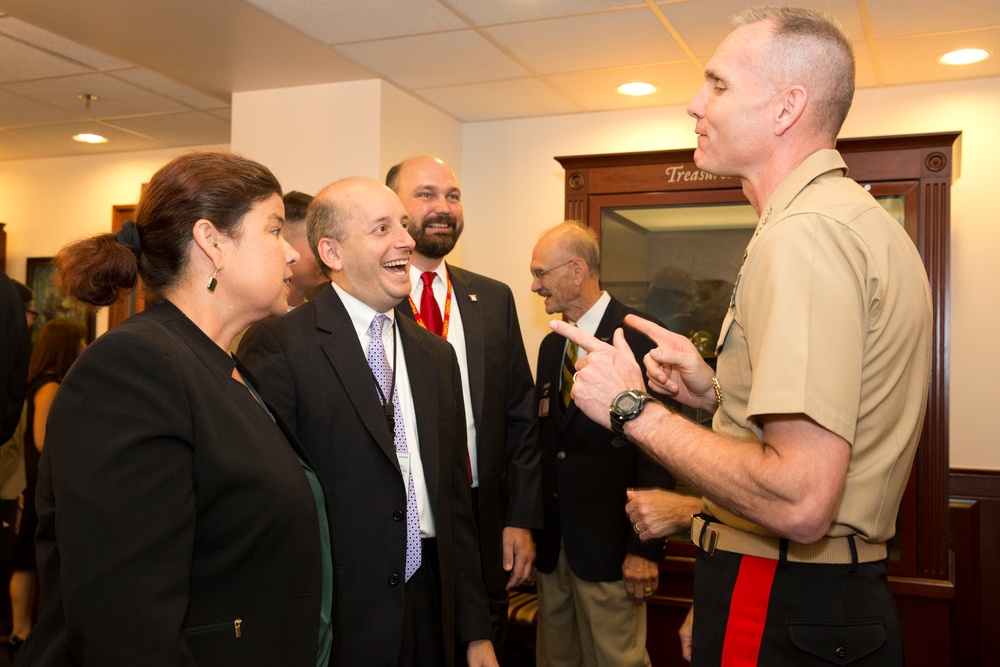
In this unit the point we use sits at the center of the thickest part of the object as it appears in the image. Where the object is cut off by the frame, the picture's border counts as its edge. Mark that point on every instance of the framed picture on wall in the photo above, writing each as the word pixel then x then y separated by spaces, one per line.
pixel 50 303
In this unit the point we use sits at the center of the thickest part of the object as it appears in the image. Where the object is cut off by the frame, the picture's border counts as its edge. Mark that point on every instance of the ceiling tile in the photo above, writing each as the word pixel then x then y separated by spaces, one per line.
pixel 589 42
pixel 864 70
pixel 703 23
pixel 516 98
pixel 15 147
pixel 115 97
pixel 895 18
pixel 907 61
pixel 58 139
pixel 15 110
pixel 340 22
pixel 430 60
pixel 19 61
pixel 193 129
pixel 55 44
pixel 487 13
pixel 597 90
pixel 169 88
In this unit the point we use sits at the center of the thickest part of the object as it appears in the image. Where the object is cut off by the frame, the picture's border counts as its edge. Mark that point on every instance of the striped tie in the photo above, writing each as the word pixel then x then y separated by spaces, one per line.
pixel 568 368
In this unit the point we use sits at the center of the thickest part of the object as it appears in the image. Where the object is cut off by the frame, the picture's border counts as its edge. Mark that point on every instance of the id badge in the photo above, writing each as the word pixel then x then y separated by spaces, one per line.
pixel 543 402
pixel 404 467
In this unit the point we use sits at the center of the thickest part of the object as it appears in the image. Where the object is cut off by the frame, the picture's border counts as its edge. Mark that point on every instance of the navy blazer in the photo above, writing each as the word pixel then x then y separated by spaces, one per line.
pixel 175 523
pixel 312 368
pixel 584 477
pixel 507 447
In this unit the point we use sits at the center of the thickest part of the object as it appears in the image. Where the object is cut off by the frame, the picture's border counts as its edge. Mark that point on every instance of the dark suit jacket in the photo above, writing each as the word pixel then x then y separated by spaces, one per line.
pixel 170 505
pixel 14 358
pixel 584 476
pixel 507 446
pixel 312 369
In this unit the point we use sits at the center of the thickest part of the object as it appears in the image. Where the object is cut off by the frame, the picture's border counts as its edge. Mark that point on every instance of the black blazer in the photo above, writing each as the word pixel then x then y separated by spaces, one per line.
pixel 584 477
pixel 16 346
pixel 312 368
pixel 172 511
pixel 500 384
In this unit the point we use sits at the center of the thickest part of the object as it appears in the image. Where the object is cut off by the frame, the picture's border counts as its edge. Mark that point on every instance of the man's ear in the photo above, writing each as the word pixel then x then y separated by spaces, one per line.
pixel 329 253
pixel 793 104
pixel 206 236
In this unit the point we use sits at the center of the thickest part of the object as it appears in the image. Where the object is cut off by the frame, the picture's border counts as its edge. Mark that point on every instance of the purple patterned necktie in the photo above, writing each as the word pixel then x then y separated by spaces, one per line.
pixel 379 364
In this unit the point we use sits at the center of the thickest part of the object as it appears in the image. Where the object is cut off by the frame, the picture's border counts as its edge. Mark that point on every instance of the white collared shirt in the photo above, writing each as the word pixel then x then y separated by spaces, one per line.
pixel 361 316
pixel 591 319
pixel 456 336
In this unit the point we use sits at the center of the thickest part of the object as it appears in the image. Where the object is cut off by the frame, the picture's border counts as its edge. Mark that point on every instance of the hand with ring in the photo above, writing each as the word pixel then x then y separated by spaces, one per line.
pixel 638 527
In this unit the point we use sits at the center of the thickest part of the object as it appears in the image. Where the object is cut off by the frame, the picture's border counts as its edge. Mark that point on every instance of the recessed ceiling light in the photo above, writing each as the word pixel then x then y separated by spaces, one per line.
pixel 964 57
pixel 637 88
pixel 90 138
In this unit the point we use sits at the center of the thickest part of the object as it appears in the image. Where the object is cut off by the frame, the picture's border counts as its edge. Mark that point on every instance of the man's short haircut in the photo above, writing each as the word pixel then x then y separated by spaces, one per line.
pixel 392 176
pixel 326 218
pixel 812 49
pixel 580 241
pixel 296 205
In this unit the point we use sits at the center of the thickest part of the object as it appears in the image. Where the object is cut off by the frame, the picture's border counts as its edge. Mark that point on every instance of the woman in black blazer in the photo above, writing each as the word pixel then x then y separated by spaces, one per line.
pixel 180 523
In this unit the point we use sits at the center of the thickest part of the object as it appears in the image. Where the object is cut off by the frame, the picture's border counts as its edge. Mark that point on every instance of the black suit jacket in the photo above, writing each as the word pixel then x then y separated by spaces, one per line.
pixel 14 358
pixel 584 476
pixel 500 384
pixel 312 368
pixel 170 506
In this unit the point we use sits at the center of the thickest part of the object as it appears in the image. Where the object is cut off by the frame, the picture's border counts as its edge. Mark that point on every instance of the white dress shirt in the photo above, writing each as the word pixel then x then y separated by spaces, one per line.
pixel 361 317
pixel 456 336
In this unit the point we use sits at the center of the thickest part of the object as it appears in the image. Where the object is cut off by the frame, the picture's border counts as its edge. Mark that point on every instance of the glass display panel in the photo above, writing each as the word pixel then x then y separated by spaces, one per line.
pixel 678 263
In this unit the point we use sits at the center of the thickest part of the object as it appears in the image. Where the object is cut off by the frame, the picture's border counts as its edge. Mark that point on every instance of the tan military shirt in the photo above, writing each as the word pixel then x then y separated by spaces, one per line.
pixel 831 318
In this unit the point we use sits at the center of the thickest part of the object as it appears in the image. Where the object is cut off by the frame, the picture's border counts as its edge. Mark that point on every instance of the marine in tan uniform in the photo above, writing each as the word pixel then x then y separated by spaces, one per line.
pixel 822 370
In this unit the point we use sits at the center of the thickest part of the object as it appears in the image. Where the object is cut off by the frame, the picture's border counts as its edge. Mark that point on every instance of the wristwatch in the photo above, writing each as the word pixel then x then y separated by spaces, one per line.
pixel 626 407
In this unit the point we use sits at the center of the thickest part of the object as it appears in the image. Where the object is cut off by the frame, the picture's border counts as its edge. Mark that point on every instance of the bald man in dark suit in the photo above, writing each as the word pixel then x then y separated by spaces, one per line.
pixel 313 368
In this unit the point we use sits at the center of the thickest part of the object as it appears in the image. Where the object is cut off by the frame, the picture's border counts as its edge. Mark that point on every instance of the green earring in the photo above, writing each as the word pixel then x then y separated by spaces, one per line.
pixel 213 282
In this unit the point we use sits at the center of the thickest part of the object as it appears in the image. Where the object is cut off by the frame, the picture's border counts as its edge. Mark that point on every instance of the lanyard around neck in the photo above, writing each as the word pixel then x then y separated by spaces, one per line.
pixel 387 407
pixel 447 310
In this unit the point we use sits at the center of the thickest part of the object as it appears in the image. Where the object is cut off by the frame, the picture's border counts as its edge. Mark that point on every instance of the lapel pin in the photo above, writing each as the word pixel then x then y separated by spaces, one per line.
pixel 473 298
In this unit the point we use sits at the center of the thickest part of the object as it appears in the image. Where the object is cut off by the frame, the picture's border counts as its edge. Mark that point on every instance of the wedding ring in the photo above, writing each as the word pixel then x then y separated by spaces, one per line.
pixel 648 591
pixel 574 375
pixel 638 530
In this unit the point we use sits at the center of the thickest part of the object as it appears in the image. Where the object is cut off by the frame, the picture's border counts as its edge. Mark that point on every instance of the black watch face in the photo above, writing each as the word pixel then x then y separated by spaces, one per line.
pixel 627 403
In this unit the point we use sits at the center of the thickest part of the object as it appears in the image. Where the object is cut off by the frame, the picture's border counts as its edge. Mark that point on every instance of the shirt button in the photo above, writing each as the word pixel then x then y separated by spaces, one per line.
pixel 393 579
pixel 397 515
pixel 561 455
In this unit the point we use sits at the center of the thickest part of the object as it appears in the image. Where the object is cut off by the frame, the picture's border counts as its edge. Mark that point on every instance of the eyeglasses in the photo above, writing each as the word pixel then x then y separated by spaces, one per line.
pixel 31 312
pixel 540 273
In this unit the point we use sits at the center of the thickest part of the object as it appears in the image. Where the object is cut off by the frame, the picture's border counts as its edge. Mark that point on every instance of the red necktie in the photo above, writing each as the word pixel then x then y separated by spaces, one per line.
pixel 429 310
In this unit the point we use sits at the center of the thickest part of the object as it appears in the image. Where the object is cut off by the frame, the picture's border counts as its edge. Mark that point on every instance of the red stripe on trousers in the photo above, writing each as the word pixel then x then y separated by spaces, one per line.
pixel 748 611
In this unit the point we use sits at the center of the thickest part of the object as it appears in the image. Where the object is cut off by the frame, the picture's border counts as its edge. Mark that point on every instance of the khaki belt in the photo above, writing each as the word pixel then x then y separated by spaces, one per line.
pixel 711 535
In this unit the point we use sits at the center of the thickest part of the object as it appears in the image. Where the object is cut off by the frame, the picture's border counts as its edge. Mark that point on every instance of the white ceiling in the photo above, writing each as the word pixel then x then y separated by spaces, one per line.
pixel 163 71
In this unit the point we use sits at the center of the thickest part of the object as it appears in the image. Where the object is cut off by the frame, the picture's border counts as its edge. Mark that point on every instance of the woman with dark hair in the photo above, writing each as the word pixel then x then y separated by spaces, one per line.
pixel 180 522
pixel 60 342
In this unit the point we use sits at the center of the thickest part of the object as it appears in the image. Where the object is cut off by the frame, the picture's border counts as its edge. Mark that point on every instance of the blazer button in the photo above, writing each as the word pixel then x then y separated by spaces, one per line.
pixel 560 455
pixel 397 515
pixel 393 579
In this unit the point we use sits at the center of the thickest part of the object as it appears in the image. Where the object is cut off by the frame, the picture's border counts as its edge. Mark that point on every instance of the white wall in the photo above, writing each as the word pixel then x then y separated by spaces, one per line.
pixel 513 190
pixel 310 136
